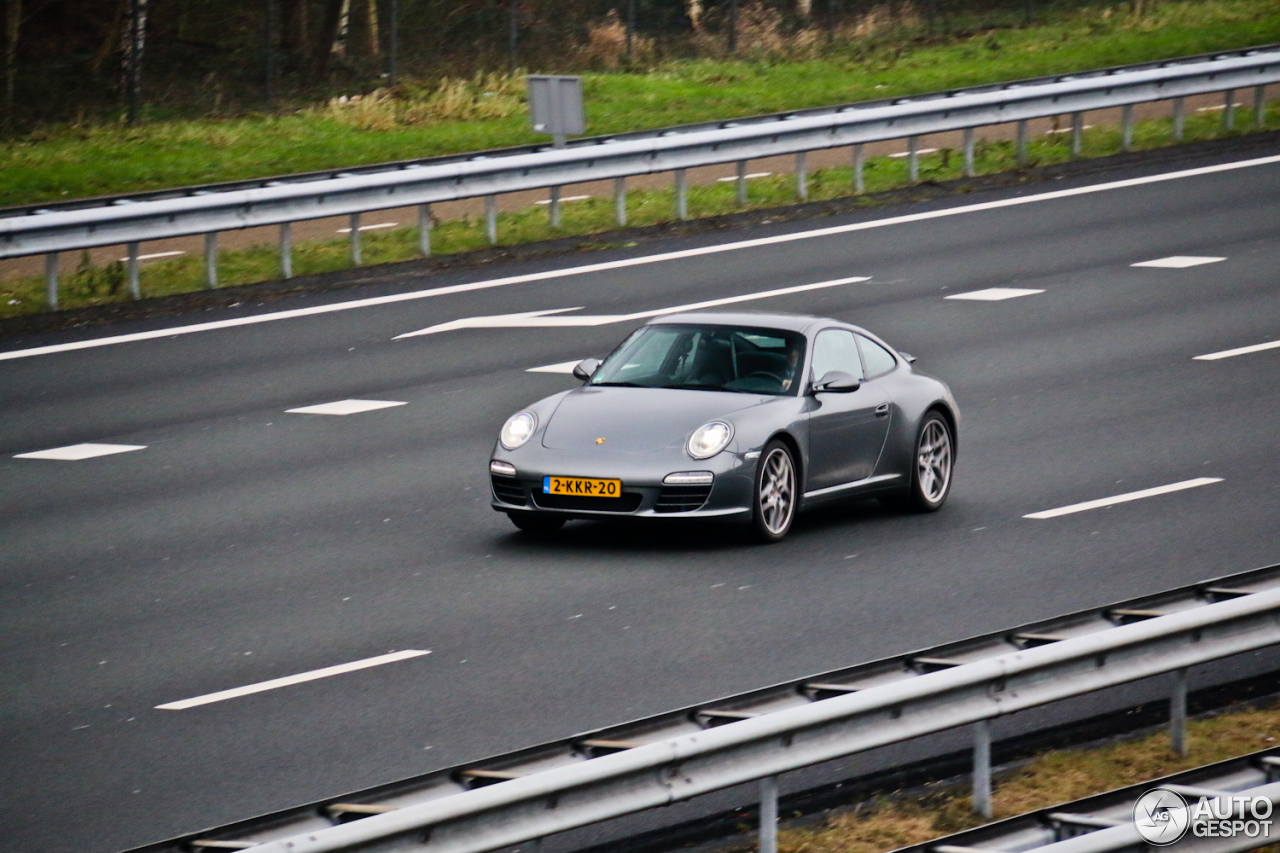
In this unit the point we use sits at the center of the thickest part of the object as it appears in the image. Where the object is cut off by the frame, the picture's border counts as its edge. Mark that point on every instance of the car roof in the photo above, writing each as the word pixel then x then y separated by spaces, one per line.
pixel 765 319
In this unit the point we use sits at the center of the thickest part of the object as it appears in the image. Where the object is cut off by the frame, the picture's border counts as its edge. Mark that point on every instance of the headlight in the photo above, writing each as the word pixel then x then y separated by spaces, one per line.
pixel 517 430
pixel 709 439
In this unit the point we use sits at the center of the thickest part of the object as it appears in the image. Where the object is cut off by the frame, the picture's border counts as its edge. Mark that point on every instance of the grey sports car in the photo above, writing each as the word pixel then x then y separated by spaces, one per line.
pixel 740 417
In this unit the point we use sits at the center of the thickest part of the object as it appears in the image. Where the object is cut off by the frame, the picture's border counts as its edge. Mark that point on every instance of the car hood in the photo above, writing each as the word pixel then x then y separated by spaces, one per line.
pixel 637 419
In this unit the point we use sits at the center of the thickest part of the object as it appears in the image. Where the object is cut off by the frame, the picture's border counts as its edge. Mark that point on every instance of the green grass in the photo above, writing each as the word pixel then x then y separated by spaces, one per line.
pixel 72 162
pixel 94 286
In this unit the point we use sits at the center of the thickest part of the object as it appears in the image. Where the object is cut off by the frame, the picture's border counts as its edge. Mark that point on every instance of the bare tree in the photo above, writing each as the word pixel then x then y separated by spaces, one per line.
pixel 12 25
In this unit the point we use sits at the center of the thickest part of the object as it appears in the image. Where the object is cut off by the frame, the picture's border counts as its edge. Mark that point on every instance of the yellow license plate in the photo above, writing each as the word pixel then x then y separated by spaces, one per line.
pixel 586 487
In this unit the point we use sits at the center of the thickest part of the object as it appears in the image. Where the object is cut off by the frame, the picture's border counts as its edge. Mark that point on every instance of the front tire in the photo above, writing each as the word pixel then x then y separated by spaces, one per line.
pixel 536 524
pixel 776 493
pixel 931 465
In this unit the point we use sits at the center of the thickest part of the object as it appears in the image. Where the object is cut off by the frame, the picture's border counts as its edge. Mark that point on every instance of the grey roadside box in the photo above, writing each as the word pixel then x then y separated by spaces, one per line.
pixel 555 106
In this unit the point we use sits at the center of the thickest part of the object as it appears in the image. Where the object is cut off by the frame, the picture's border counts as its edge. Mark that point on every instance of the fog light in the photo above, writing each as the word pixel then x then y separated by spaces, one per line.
pixel 505 468
pixel 688 478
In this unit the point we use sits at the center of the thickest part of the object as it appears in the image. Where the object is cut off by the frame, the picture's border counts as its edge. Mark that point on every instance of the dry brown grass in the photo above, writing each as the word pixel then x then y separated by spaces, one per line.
pixel 1055 777
pixel 485 96
pixel 606 45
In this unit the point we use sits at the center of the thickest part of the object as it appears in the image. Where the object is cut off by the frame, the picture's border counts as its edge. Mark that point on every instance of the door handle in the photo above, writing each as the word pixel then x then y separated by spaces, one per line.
pixel 882 410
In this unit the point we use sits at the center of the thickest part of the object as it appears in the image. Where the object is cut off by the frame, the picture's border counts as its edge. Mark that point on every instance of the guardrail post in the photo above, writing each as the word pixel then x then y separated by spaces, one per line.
pixel 769 814
pixel 1077 133
pixel 982 768
pixel 51 280
pixel 1178 713
pixel 135 291
pixel 1229 110
pixel 620 199
pixel 491 218
pixel 1022 142
pixel 286 250
pixel 913 158
pixel 802 176
pixel 211 260
pixel 1126 122
pixel 741 184
pixel 554 207
pixel 424 230
pixel 968 152
pixel 859 158
pixel 682 201
pixel 1259 106
pixel 1179 118
pixel 355 239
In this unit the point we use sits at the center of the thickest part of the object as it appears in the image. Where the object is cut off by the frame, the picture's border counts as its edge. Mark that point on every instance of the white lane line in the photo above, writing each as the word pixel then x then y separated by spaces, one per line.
pixel 566 198
pixel 908 153
pixel 1130 496
pixel 541 319
pixel 1229 353
pixel 1068 129
pixel 374 227
pixel 637 261
pixel 994 294
pixel 158 255
pixel 562 367
pixel 288 680
pixel 346 407
pixel 748 177
pixel 76 452
pixel 1217 107
pixel 1177 262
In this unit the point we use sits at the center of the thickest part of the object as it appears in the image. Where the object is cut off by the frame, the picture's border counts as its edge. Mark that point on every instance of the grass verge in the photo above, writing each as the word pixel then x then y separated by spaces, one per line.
pixel 90 285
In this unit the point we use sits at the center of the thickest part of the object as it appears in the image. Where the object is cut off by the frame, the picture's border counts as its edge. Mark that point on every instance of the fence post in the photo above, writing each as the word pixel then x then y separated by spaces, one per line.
pixel 1077 133
pixel 913 158
pixel 211 260
pixel 769 814
pixel 51 280
pixel 968 152
pixel 682 202
pixel 1178 713
pixel 555 207
pixel 286 250
pixel 859 159
pixel 1259 105
pixel 802 176
pixel 742 183
pixel 1179 118
pixel 135 290
pixel 491 218
pixel 620 200
pixel 1229 110
pixel 424 230
pixel 354 222
pixel 1126 121
pixel 982 768
pixel 1022 142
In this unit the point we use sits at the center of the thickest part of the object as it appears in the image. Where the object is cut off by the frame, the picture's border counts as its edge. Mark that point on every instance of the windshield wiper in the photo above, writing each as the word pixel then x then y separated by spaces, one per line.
pixel 619 385
pixel 693 386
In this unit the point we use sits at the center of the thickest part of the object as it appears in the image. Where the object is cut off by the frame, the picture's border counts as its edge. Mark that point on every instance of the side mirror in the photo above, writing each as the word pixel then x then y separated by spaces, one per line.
pixel 908 357
pixel 837 382
pixel 583 369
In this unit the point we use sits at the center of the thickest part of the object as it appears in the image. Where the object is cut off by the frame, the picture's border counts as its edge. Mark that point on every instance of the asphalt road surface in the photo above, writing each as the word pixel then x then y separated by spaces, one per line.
pixel 240 542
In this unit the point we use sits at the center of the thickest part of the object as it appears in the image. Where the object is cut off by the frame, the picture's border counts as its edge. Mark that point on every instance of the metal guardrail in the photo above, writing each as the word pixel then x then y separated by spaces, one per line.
pixel 611 772
pixel 131 221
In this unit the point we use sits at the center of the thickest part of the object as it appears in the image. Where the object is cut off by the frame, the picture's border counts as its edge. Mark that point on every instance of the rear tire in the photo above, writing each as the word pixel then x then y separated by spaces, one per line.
pixel 931 466
pixel 775 495
pixel 536 524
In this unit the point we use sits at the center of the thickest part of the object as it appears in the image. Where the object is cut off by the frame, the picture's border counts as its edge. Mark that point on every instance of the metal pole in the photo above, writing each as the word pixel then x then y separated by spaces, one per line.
pixel 1259 105
pixel 620 200
pixel 741 183
pixel 393 44
pixel 491 218
pixel 269 50
pixel 286 250
pixel 769 814
pixel 51 280
pixel 1178 713
pixel 555 207
pixel 1229 110
pixel 1126 121
pixel 682 202
pixel 913 158
pixel 1179 118
pixel 982 768
pixel 355 239
pixel 1022 142
pixel 135 290
pixel 211 260
pixel 1077 133
pixel 424 230
pixel 968 152
pixel 802 176
pixel 859 158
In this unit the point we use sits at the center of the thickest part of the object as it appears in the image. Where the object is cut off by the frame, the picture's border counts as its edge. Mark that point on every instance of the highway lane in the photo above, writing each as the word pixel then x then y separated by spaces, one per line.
pixel 245 543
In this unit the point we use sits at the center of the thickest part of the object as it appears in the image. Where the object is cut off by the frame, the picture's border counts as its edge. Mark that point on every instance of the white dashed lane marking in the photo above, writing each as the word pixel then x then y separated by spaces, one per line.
pixel 1177 262
pixel 300 678
pixel 375 227
pixel 76 452
pixel 154 255
pixel 748 177
pixel 908 153
pixel 566 198
pixel 995 294
pixel 562 367
pixel 345 407
pixel 1129 496
pixel 1228 353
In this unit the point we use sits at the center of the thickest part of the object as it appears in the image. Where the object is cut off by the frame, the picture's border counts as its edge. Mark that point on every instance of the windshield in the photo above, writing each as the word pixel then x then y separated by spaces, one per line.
pixel 706 358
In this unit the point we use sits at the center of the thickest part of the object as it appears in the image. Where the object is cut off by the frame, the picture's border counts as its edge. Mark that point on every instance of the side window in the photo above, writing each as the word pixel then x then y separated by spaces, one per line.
pixel 835 349
pixel 878 359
